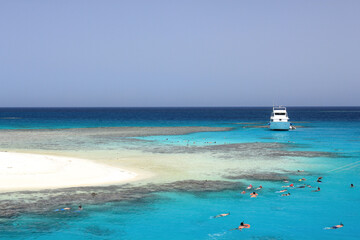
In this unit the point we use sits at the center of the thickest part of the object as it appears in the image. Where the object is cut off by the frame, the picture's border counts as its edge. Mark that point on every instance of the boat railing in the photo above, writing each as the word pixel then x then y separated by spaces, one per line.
pixel 279 108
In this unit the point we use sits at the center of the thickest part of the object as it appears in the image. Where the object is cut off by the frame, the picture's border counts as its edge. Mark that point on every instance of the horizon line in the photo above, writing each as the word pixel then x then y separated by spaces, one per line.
pixel 183 106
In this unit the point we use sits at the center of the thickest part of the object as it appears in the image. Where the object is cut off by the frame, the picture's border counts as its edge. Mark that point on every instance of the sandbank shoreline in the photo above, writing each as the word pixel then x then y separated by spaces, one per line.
pixel 25 171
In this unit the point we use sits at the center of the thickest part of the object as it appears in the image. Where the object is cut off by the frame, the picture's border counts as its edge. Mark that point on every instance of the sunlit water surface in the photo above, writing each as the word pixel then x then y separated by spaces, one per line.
pixel 187 215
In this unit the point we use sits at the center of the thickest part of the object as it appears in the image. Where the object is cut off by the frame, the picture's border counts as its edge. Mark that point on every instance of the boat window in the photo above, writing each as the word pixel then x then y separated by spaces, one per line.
pixel 279 113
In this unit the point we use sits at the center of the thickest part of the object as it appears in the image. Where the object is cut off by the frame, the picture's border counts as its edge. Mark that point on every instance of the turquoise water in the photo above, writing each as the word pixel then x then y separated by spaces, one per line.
pixel 187 215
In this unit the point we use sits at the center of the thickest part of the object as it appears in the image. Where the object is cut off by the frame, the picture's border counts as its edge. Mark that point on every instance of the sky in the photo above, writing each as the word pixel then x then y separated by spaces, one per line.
pixel 73 53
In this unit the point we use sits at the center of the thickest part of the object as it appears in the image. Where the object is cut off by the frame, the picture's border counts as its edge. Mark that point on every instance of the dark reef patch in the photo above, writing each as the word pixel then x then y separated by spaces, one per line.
pixel 239 150
pixel 278 175
pixel 260 176
pixel 15 203
pixel 87 138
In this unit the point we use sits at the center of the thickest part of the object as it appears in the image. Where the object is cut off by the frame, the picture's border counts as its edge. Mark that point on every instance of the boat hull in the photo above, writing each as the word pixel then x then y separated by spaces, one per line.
pixel 281 126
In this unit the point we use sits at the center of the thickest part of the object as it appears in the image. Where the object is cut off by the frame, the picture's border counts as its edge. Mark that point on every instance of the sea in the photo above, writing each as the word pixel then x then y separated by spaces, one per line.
pixel 177 214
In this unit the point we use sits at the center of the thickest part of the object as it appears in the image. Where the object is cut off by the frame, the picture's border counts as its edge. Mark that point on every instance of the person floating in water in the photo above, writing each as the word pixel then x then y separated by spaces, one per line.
pixel 221 215
pixel 319 179
pixel 254 194
pixel 317 190
pixel 250 187
pixel 291 185
pixel 241 226
pixel 285 194
pixel 335 227
pixel 62 209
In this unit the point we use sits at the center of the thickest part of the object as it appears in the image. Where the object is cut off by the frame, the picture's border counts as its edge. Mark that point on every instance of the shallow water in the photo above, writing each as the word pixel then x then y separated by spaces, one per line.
pixel 328 146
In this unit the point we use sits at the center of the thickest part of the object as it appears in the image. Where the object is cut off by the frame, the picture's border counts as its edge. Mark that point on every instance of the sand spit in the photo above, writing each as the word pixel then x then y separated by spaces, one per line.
pixel 20 171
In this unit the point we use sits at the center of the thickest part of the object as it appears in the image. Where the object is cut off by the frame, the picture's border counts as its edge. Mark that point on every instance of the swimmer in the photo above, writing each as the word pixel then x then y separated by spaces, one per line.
pixel 351 185
pixel 300 170
pixel 285 181
pixel 260 187
pixel 241 226
pixel 291 185
pixel 221 215
pixel 62 209
pixel 317 190
pixel 302 179
pixel 254 194
pixel 250 187
pixel 285 194
pixel 303 186
pixel 243 192
pixel 335 227
pixel 80 208
pixel 281 191
pixel 319 179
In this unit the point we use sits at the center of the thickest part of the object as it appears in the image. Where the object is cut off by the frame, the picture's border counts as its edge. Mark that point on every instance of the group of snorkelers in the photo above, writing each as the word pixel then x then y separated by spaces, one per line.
pixel 254 195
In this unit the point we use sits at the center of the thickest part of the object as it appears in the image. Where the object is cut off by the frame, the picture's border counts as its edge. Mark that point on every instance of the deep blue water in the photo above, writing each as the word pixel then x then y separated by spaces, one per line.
pixel 110 117
pixel 178 215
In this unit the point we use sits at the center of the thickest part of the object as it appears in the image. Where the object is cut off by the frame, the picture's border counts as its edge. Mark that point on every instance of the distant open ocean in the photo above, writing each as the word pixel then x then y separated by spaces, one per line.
pixel 42 118
pixel 187 214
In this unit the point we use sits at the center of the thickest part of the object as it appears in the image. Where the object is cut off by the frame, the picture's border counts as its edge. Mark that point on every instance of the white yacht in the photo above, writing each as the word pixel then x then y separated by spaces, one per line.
pixel 279 119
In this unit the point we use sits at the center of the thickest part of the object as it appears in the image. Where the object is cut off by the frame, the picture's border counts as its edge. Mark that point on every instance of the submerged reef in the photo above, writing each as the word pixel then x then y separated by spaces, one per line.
pixel 240 150
pixel 86 138
pixel 12 204
pixel 258 175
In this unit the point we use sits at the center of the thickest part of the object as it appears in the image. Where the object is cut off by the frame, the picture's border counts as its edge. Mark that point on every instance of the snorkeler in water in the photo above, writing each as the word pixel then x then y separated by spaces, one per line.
pixel 254 194
pixel 221 215
pixel 62 209
pixel 335 227
pixel 241 226
pixel 291 185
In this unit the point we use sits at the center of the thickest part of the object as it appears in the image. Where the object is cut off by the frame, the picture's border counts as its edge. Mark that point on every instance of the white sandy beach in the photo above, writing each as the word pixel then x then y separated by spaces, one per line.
pixel 23 171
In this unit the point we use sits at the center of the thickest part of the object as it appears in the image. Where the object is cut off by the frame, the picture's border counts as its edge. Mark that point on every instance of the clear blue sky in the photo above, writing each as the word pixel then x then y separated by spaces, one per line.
pixel 179 53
